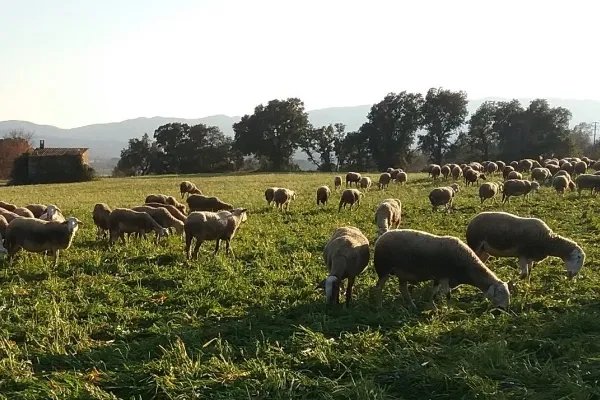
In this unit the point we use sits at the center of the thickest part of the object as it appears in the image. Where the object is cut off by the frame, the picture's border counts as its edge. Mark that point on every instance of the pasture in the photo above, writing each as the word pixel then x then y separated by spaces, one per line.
pixel 140 321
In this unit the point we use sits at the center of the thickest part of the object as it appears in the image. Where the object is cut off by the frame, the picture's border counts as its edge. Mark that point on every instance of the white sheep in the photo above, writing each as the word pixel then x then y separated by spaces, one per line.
pixel 163 217
pixel 37 236
pixel 346 256
pixel 489 190
pixel 443 196
pixel 388 215
pixel 561 183
pixel 101 218
pixel 401 178
pixel 353 177
pixel 365 182
pixel 208 225
pixel 417 256
pixel 518 187
pixel 350 196
pixel 323 194
pixel 52 214
pixel 124 220
pixel 283 198
pixel 384 180
pixel 501 234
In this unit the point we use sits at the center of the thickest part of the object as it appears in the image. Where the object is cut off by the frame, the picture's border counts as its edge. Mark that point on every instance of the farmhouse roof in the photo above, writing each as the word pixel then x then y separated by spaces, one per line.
pixel 59 151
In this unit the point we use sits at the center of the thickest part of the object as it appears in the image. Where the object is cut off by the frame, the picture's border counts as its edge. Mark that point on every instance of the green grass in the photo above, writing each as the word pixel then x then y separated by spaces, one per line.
pixel 141 322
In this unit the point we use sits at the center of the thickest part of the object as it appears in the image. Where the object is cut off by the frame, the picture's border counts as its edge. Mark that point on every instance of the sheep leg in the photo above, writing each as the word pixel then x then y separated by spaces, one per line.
pixel 228 248
pixel 56 257
pixel 196 248
pixel 406 293
pixel 524 264
pixel 379 288
pixel 188 245
pixel 349 290
pixel 217 246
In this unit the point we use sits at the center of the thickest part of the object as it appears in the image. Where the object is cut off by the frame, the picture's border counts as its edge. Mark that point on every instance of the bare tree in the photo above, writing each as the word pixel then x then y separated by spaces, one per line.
pixel 21 134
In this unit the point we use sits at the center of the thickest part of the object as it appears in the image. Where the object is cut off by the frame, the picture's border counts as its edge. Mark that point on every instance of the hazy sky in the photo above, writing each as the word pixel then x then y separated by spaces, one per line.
pixel 70 63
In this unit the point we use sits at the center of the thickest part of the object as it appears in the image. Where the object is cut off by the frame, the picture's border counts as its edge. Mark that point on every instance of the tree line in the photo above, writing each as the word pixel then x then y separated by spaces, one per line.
pixel 400 128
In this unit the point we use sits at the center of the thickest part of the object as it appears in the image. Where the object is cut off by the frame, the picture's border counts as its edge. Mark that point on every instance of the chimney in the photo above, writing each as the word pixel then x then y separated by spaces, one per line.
pixel 41 144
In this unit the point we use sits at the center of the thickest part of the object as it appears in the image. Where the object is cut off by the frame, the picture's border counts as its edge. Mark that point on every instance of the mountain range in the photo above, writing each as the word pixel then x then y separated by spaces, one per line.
pixel 106 140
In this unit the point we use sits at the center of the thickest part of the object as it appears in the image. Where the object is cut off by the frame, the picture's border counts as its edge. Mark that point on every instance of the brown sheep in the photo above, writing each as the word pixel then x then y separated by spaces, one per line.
pixel 323 193
pixel 350 196
pixel 353 177
pixel 445 170
pixel 384 180
pixel 101 218
pixel 514 175
pixel 199 202
pixel 187 187
pixel 172 209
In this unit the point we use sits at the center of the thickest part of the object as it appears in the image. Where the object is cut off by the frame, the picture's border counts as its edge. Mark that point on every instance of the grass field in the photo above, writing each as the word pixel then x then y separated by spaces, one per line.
pixel 140 322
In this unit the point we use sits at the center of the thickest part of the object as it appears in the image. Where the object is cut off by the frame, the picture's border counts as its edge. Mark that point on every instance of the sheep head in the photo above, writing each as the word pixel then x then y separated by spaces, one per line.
pixel 240 212
pixel 332 289
pixel 574 261
pixel 73 224
pixel 499 294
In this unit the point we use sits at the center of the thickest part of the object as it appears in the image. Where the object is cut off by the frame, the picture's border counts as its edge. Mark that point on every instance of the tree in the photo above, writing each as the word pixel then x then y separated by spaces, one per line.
pixel 326 142
pixel 12 145
pixel 171 140
pixel 443 112
pixel 581 136
pixel 274 131
pixel 139 158
pixel 354 154
pixel 391 127
pixel 481 135
pixel 509 125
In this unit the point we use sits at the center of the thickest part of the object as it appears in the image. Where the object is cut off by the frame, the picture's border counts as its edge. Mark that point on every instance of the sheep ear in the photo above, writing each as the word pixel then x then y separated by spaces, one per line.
pixel 244 210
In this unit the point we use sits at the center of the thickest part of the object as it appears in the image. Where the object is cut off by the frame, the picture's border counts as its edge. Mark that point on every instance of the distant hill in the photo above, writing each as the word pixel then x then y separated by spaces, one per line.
pixel 106 140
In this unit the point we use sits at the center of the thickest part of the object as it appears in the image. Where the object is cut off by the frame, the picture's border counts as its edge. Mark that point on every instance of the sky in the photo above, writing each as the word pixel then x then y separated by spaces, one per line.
pixel 71 63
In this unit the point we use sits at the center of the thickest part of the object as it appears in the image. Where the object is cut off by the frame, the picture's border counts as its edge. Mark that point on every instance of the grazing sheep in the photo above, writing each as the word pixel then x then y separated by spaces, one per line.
pixel 501 234
pixel 37 209
pixel 388 215
pixel 435 171
pixel 187 187
pixel 587 181
pixel 417 256
pixel 456 173
pixel 3 226
pixel 163 199
pixel 514 175
pixel 270 195
pixel 488 190
pixel 507 170
pixel 323 193
pixel 200 202
pixel 162 217
pixel 384 180
pixel 402 177
pixel 52 214
pixel 353 177
pixel 346 256
pixel 365 182
pixel 580 167
pixel 208 225
pixel 37 236
pixel 389 170
pixel 350 196
pixel 101 218
pixel 525 165
pixel 443 196
pixel 23 212
pixel 514 164
pixel 124 220
pixel 445 171
pixel 561 183
pixel 8 215
pixel 491 168
pixel 540 174
pixel 337 182
pixel 7 206
pixel 567 166
pixel 501 165
pixel 172 209
pixel 283 197
pixel 553 168
pixel 472 176
pixel 517 187
pixel 395 173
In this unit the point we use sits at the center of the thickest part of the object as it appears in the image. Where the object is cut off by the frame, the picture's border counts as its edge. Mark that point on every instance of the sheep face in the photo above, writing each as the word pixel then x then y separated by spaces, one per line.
pixel 534 186
pixel 574 261
pixel 73 224
pixel 332 290
pixel 241 212
pixel 499 295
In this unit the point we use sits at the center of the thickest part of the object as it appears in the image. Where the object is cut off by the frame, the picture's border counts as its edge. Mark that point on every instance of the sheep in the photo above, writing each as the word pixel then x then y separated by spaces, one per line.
pixel 337 182
pixel 388 215
pixel 37 236
pixel 561 183
pixel 23 212
pixel 445 171
pixel 507 170
pixel 587 181
pixel 3 226
pixel 187 187
pixel 514 175
pixel 352 177
pixel 162 217
pixel 9 215
pixel 443 196
pixel 346 255
pixel 514 164
pixel 501 234
pixel 101 218
pixel 580 167
pixel 384 180
pixel 172 209
pixel 350 196
pixel 562 172
pixel 518 187
pixel 540 174
pixel 365 182
pixel 323 193
pixel 472 176
pixel 283 197
pixel 489 190
pixel 395 173
pixel 401 178
pixel 200 202
pixel 435 171
pixel 7 206
pixel 52 214
pixel 501 165
pixel 567 166
pixel 161 198
pixel 270 195
pixel 553 168
pixel 389 170
pixel 208 225
pixel 124 220
pixel 491 168
pixel 456 173
pixel 417 256
pixel 38 209
pixel 525 165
